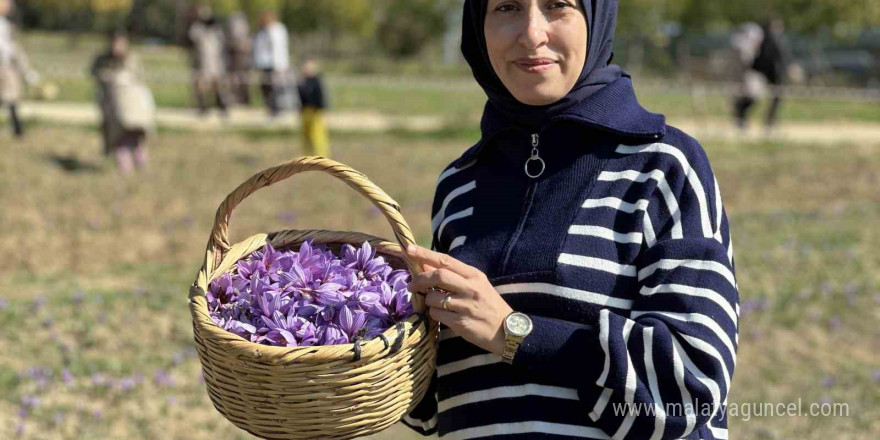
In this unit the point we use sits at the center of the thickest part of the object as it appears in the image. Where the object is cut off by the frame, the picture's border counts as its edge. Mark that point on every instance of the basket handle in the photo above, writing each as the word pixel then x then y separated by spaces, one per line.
pixel 218 244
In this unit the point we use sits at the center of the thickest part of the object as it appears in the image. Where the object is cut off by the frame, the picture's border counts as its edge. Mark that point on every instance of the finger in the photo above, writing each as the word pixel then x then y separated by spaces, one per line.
pixel 442 279
pixel 456 303
pixel 441 261
pixel 450 319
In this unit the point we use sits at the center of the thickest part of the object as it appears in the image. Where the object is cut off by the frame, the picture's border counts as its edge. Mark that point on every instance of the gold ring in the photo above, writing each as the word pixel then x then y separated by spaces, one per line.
pixel 446 300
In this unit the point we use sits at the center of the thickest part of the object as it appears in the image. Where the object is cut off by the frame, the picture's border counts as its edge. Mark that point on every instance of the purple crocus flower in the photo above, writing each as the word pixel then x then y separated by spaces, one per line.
pixel 309 297
pixel 281 329
pixel 331 334
pixel 351 321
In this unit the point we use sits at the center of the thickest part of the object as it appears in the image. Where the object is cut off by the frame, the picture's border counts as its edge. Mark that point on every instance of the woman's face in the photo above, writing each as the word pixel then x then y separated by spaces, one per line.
pixel 119 46
pixel 537 47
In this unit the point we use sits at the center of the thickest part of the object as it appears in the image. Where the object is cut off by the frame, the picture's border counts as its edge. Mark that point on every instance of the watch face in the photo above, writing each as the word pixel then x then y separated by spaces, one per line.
pixel 519 324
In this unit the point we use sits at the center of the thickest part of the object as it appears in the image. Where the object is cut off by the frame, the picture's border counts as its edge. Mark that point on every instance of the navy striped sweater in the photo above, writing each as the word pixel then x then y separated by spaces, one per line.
pixel 620 252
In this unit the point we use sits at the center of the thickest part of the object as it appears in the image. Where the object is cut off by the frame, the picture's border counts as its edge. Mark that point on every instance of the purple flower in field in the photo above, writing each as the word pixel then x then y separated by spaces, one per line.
pixel 66 376
pixel 99 380
pixel 78 297
pixel 163 379
pixel 835 323
pixel 287 216
pixel 39 302
pixel 19 429
pixel 875 375
pixel 828 381
pixel 129 383
pixel 4 304
pixel 30 402
pixel 97 413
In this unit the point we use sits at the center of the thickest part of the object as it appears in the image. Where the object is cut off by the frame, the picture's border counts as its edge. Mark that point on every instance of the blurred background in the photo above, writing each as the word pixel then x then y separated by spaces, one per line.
pixel 125 123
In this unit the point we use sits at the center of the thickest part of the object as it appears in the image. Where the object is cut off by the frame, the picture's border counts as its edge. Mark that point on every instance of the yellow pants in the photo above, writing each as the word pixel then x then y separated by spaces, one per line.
pixel 315 139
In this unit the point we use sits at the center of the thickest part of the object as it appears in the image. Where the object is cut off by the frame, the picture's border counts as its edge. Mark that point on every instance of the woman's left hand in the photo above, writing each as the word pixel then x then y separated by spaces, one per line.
pixel 475 311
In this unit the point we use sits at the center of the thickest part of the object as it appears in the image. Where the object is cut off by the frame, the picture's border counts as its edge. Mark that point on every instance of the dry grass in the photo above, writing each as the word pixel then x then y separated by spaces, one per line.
pixel 95 268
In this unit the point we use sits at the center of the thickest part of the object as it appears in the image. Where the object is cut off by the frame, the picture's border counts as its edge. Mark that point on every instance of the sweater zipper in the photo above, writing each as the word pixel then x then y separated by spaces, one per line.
pixel 527 200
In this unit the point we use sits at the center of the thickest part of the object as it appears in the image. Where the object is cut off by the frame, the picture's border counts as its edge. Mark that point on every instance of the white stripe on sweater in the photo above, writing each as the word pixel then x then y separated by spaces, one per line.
pixel 718 211
pixel 526 428
pixel 670 264
pixel 659 412
pixel 718 433
pixel 707 348
pixel 426 425
pixel 686 400
pixel 603 342
pixel 453 217
pixel 457 242
pixel 510 392
pixel 693 291
pixel 598 264
pixel 689 172
pixel 452 171
pixel 606 233
pixel 618 204
pixel 694 370
pixel 662 185
pixel 630 391
pixel 567 293
pixel 438 218
pixel 648 229
pixel 699 319
pixel 467 363
pixel 601 403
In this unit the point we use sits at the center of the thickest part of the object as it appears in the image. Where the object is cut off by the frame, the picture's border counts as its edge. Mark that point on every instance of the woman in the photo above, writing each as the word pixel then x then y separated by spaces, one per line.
pixel 272 58
pixel 13 65
pixel 126 104
pixel 582 266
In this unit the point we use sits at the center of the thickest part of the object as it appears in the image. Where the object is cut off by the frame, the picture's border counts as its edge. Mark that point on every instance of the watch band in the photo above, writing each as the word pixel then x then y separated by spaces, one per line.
pixel 511 345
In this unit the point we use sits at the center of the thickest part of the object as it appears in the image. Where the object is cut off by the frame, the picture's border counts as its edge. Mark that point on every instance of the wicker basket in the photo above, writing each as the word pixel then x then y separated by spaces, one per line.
pixel 327 392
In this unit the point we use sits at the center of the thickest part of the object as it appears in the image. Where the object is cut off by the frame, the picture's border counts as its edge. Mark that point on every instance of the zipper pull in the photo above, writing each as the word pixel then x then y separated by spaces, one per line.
pixel 535 157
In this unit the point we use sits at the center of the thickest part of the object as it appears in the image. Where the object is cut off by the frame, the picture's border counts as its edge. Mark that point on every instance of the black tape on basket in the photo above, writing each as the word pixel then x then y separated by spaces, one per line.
pixel 422 319
pixel 398 341
pixel 357 349
pixel 384 341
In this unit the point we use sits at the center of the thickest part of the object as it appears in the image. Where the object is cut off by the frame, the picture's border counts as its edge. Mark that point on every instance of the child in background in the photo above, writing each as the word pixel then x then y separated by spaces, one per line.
pixel 313 100
pixel 126 104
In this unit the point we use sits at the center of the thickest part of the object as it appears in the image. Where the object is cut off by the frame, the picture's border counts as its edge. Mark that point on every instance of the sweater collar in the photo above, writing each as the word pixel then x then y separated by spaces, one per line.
pixel 613 109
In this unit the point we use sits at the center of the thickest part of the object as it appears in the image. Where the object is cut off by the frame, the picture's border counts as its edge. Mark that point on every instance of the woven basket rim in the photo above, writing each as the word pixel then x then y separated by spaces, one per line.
pixel 266 353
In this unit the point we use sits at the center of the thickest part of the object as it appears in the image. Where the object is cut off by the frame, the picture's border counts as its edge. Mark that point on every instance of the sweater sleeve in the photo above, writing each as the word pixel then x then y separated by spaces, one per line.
pixel 663 369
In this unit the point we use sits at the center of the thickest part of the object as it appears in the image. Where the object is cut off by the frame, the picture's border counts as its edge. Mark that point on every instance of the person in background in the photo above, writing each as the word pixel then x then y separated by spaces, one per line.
pixel 272 58
pixel 209 66
pixel 765 59
pixel 13 65
pixel 238 56
pixel 127 107
pixel 314 102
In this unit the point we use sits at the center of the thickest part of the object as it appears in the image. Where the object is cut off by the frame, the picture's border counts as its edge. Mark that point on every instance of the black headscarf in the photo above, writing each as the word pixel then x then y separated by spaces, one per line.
pixel 597 72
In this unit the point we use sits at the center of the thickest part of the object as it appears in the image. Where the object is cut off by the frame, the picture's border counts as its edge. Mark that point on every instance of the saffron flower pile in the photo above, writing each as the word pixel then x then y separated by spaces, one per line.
pixel 311 296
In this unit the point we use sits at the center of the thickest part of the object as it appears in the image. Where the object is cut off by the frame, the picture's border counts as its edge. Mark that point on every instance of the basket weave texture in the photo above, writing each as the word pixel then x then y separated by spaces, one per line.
pixel 322 392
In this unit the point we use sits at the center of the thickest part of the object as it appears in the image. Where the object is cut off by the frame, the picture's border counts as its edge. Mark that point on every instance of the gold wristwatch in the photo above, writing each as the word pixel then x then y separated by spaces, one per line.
pixel 516 327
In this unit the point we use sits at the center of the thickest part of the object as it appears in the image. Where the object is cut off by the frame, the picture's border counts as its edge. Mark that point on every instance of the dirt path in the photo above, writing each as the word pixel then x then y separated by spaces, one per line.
pixel 186 119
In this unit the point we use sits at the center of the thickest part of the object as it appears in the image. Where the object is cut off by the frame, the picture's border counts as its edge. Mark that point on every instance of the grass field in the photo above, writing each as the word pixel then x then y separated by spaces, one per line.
pixel 95 334
pixel 401 88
